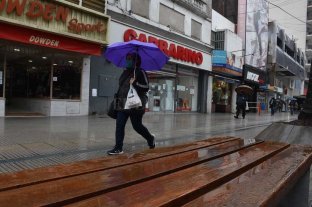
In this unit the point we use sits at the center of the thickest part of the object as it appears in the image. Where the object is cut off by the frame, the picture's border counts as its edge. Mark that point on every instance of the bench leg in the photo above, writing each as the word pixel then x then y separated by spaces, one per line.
pixel 299 195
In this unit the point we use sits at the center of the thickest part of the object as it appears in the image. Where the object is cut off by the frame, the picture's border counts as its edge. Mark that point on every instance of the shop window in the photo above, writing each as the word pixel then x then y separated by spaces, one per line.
pixel 140 7
pixel 221 97
pixel 171 18
pixel 219 40
pixel 67 78
pixel 187 90
pixel 196 29
pixel 289 51
pixel 38 83
pixel 27 76
pixel 161 94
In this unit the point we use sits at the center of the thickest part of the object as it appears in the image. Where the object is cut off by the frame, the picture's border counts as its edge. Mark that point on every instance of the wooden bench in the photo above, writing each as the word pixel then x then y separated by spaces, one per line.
pixel 214 172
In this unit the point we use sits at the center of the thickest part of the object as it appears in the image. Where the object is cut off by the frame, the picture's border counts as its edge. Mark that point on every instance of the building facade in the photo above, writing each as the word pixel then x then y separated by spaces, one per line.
pixel 286 64
pixel 181 29
pixel 227 64
pixel 278 68
pixel 45 50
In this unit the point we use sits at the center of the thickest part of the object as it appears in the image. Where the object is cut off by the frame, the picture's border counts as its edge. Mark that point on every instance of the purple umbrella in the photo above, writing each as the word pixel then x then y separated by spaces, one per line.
pixel 152 58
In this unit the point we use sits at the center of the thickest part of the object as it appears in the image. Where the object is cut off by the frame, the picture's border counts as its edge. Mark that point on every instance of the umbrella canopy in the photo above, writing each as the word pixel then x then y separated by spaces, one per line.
pixel 152 58
pixel 244 89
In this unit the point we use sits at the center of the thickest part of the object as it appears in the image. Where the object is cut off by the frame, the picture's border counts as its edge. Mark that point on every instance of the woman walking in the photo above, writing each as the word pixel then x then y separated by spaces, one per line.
pixel 134 75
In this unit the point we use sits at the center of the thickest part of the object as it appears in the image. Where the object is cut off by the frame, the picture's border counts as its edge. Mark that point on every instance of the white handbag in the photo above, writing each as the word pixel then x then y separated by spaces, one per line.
pixel 133 99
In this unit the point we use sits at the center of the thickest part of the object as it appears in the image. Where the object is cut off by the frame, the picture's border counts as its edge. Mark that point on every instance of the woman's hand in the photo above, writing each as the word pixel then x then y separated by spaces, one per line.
pixel 132 80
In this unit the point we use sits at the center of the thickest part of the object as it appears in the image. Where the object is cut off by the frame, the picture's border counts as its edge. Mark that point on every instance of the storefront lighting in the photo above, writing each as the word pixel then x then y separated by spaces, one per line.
pixel 44 58
pixel 70 61
pixel 17 50
pixel 30 61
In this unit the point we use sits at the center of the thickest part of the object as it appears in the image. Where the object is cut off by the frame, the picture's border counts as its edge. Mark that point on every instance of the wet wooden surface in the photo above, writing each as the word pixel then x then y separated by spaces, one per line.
pixel 207 173
pixel 33 176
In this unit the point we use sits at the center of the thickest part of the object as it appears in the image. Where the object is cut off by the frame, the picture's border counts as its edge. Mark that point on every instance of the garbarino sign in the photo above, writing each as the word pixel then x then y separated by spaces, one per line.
pixel 55 17
pixel 118 33
pixel 170 49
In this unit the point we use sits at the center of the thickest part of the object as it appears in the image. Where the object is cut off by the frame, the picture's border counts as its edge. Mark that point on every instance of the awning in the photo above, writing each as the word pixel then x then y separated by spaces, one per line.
pixel 34 37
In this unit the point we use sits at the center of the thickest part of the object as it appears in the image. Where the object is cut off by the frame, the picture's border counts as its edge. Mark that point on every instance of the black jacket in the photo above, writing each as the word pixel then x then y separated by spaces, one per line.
pixel 241 100
pixel 141 84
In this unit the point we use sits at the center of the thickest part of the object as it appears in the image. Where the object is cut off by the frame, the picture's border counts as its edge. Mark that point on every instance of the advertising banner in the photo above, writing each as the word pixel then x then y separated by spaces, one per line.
pixel 257 33
pixel 226 63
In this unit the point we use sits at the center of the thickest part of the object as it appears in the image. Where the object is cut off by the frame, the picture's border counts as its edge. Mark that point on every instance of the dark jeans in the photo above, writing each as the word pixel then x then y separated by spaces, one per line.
pixel 241 108
pixel 136 120
pixel 272 111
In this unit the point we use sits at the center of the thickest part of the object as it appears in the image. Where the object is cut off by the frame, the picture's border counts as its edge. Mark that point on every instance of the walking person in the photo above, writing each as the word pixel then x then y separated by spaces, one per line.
pixel 272 105
pixel 292 106
pixel 134 75
pixel 241 100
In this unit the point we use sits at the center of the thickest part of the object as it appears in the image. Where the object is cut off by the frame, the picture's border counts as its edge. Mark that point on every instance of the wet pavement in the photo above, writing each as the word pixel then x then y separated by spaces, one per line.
pixel 27 143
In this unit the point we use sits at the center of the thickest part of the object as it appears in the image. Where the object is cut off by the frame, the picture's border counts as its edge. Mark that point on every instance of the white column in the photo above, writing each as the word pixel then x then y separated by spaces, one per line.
pixel 206 32
pixel 188 25
pixel 85 84
pixel 2 107
pixel 234 95
pixel 154 10
pixel 209 94
pixel 302 88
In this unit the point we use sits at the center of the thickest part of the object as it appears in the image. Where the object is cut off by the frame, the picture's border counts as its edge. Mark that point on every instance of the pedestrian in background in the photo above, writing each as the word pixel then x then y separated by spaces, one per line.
pixel 272 105
pixel 134 75
pixel 241 100
pixel 292 106
pixel 279 105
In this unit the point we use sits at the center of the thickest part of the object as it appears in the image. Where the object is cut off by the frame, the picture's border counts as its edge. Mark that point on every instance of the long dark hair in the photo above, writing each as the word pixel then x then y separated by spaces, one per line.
pixel 137 60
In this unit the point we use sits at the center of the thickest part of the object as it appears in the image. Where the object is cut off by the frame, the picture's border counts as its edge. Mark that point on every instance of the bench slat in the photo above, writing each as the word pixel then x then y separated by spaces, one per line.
pixel 183 186
pixel 263 185
pixel 68 189
pixel 39 175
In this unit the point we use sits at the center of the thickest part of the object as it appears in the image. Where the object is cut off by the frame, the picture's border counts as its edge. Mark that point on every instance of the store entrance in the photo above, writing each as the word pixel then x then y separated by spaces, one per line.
pixel 27 79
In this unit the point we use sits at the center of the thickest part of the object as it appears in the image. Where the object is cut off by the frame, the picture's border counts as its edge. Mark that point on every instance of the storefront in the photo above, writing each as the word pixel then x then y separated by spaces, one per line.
pixel 45 53
pixel 166 86
pixel 227 74
pixel 174 88
pixel 255 78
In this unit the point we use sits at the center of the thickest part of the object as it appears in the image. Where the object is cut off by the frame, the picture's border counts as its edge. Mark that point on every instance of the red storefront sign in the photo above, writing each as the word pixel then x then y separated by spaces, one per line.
pixel 30 36
pixel 172 50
